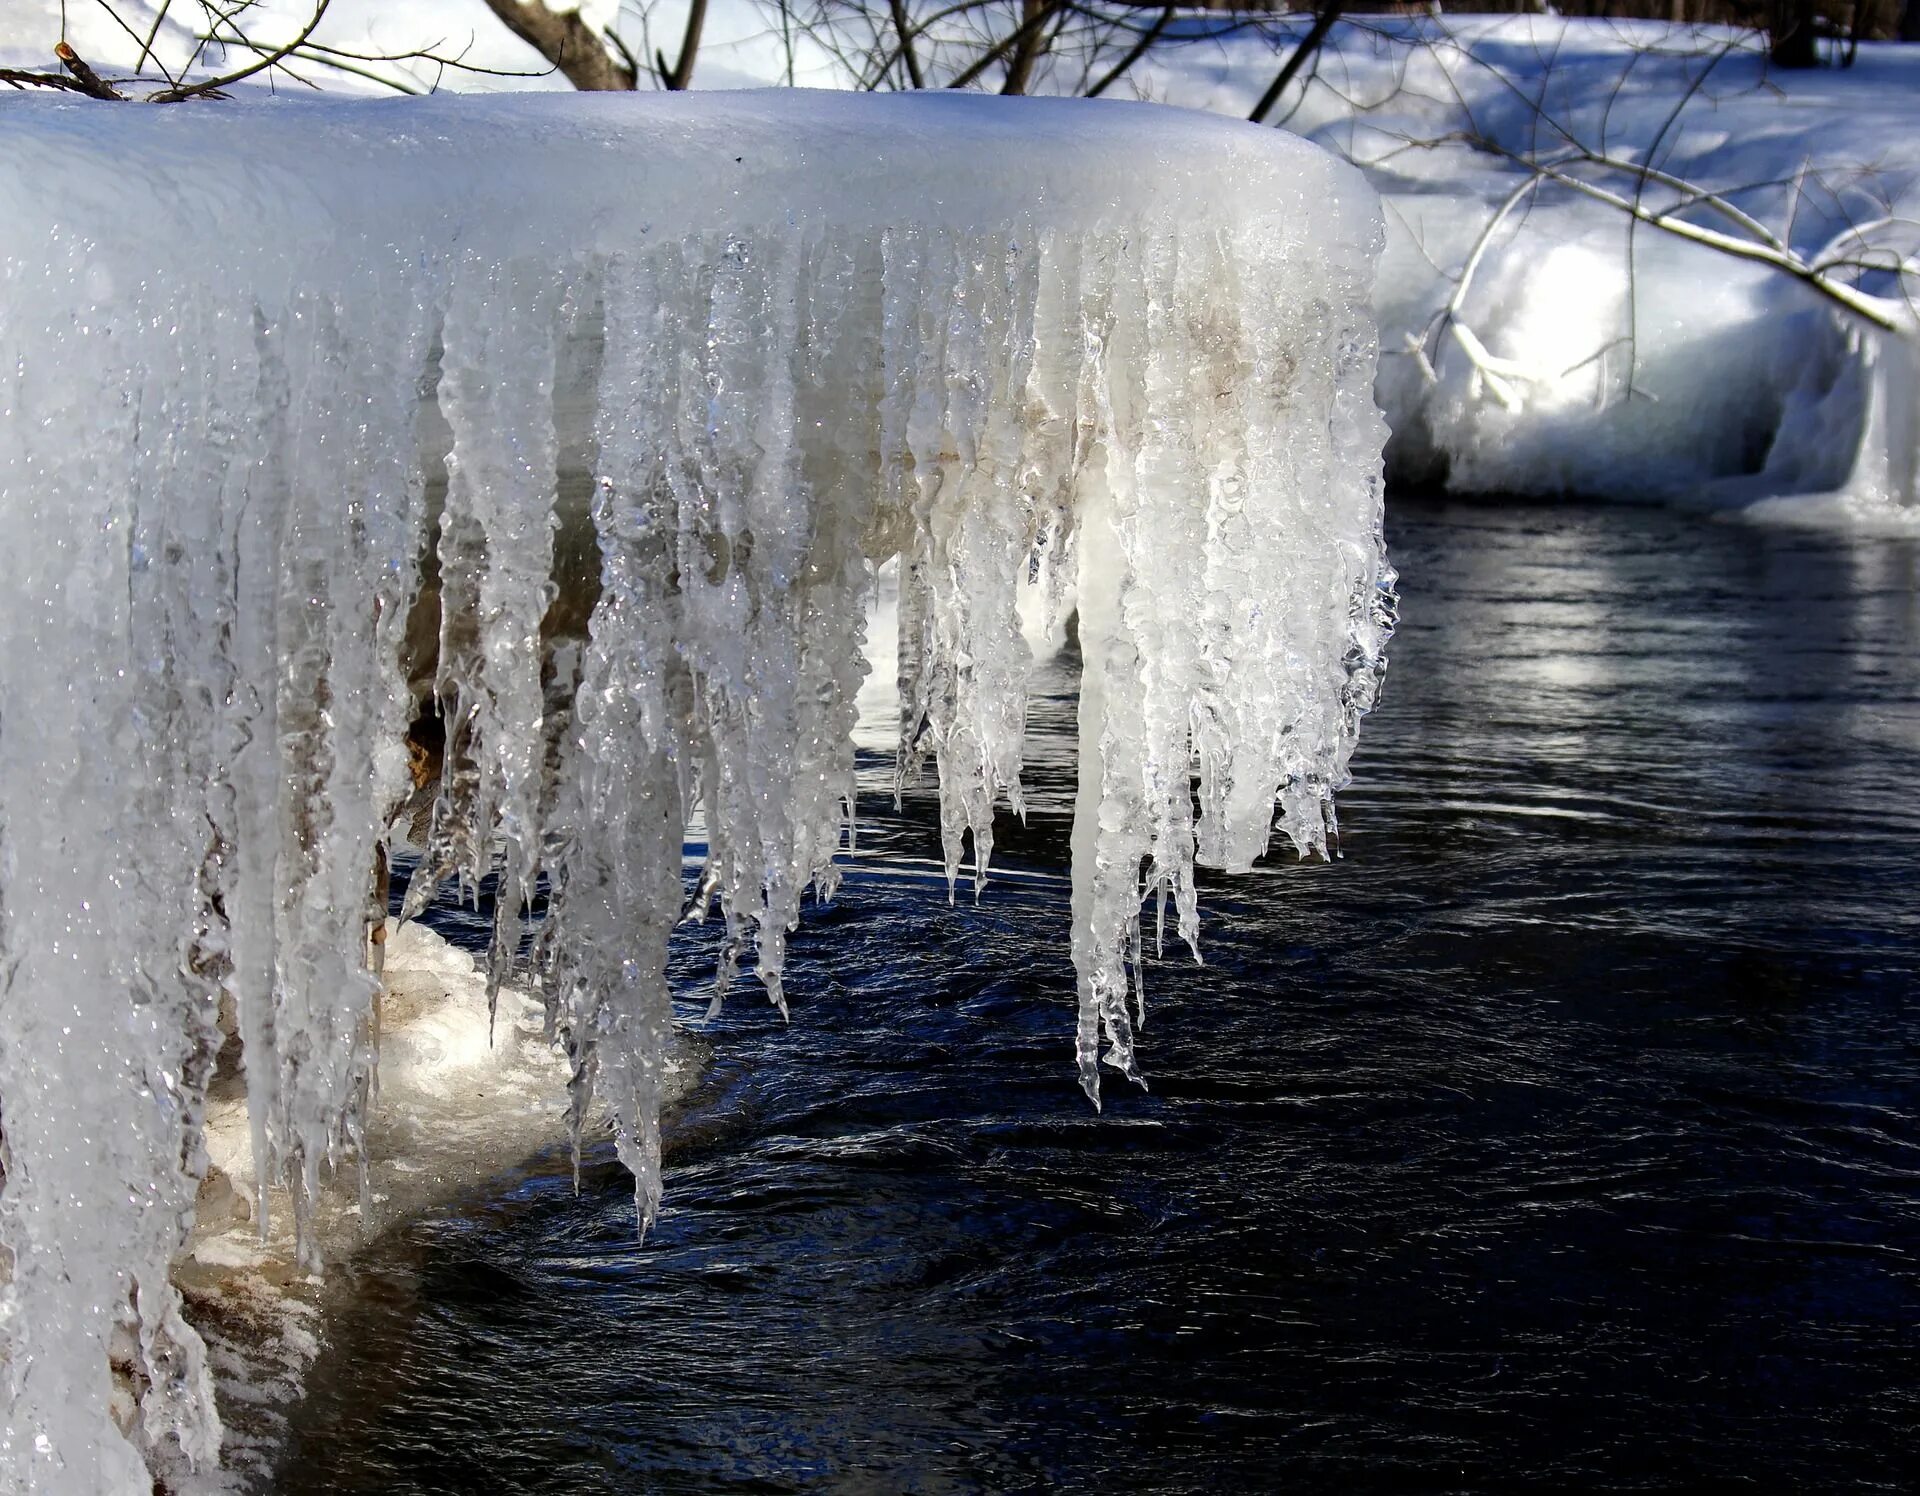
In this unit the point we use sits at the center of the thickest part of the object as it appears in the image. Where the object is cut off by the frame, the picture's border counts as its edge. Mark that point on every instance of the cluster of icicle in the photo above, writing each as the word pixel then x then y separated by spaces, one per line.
pixel 202 758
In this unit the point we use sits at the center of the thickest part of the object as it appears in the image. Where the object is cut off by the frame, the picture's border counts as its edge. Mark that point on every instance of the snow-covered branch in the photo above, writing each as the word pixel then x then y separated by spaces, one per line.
pixel 1767 250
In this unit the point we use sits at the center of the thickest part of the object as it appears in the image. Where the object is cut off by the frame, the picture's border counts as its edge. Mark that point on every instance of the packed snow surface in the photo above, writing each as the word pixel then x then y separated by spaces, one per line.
pixel 656 386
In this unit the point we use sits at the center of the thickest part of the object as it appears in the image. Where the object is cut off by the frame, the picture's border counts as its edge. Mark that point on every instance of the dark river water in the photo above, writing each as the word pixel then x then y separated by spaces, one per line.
pixel 1563 1135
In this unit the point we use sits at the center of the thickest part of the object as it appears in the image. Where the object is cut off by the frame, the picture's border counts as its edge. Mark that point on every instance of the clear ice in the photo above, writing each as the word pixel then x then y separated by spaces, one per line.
pixel 264 367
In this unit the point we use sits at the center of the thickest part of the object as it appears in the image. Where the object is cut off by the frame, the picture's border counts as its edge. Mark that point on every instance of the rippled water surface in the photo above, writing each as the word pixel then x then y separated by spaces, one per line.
pixel 1563 1135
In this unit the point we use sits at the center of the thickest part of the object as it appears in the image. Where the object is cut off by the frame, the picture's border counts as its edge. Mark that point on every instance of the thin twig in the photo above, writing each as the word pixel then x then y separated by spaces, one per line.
pixel 1450 314
pixel 1027 28
pixel 216 18
pixel 1138 50
pixel 1691 194
pixel 1309 44
pixel 270 59
pixel 153 34
pixel 118 20
pixel 1784 261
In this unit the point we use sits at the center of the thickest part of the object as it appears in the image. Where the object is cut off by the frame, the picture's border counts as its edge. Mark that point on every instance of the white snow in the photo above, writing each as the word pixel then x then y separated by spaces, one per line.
pixel 816 333
pixel 1586 357
pixel 1626 363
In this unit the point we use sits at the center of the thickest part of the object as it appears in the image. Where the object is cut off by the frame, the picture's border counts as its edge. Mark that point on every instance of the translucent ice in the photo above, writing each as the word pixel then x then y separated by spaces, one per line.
pixel 277 383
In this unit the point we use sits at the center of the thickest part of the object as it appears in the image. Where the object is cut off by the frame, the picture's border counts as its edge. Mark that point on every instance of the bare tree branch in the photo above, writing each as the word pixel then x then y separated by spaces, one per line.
pixel 1139 49
pixel 569 43
pixel 1030 27
pixel 680 75
pixel 1309 44
pixel 270 59
pixel 19 79
pixel 1027 46
pixel 1867 307
pixel 907 55
pixel 118 20
pixel 153 33
pixel 1448 318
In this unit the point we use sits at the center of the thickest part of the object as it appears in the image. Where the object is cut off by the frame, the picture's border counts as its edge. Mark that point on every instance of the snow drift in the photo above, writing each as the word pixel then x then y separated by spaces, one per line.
pixel 1628 362
pixel 262 367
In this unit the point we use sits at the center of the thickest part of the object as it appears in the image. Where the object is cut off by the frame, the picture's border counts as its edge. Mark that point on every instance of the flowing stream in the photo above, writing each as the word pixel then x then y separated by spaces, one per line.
pixel 1565 1134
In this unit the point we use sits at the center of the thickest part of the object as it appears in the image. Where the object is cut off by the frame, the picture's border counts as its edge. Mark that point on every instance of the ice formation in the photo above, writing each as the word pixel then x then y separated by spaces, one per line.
pixel 261 368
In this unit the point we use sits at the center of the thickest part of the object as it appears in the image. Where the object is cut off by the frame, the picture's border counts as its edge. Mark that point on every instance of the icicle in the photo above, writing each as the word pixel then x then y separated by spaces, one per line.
pixel 350 529
pixel 619 811
pixel 496 564
pixel 1109 821
pixel 106 1033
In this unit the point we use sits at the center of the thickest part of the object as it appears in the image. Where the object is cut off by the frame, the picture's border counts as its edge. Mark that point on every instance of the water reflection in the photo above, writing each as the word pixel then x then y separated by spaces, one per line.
pixel 1562 1135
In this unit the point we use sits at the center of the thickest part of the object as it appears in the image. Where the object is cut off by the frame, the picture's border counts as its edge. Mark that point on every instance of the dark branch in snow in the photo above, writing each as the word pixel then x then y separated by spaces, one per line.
pixel 18 79
pixel 85 79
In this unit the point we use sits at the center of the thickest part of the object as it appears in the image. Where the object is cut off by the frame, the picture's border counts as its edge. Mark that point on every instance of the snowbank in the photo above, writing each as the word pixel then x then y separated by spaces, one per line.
pixel 1587 354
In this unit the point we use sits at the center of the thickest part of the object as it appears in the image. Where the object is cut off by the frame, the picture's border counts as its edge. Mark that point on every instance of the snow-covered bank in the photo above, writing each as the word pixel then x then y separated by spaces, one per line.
pixel 1571 350
pixel 1574 349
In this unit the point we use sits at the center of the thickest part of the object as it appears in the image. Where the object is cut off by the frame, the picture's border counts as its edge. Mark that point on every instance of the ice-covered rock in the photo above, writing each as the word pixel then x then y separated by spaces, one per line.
pixel 466 1096
pixel 257 362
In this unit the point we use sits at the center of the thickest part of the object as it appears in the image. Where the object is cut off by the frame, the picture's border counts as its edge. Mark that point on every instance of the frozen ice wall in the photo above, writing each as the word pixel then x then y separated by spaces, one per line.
pixel 263 367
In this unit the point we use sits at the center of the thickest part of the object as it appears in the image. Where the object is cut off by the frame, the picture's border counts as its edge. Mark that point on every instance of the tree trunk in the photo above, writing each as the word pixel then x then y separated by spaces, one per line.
pixel 1033 15
pixel 567 42
pixel 1790 34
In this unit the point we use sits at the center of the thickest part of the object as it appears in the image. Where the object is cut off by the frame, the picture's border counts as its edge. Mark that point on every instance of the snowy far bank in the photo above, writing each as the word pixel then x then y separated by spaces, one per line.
pixel 1536 340
pixel 252 360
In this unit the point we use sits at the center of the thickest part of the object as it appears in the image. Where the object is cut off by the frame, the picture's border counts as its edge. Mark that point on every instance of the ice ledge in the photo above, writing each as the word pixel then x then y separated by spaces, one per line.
pixel 529 174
